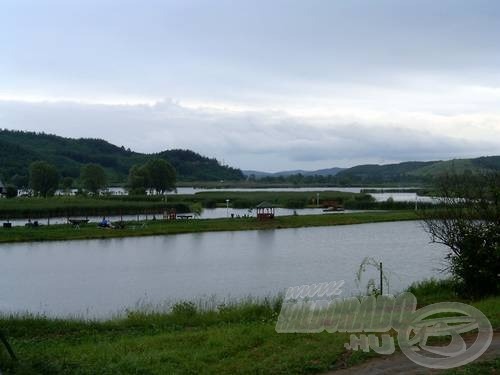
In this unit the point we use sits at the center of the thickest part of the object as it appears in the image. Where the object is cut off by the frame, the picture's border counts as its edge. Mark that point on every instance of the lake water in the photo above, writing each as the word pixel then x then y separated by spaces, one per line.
pixel 97 278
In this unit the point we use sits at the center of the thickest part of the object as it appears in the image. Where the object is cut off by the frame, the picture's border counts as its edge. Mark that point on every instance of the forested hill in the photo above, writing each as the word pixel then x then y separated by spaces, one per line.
pixel 18 149
pixel 417 171
pixel 412 172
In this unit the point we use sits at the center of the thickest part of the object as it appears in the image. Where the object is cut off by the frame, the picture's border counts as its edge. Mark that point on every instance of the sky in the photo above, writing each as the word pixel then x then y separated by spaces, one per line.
pixel 265 85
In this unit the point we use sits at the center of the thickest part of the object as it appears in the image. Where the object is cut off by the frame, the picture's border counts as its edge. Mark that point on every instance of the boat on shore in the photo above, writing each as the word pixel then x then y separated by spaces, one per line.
pixel 333 209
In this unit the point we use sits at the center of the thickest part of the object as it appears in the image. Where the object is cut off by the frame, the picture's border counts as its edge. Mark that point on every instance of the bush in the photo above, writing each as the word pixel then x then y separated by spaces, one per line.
pixel 433 291
pixel 467 222
pixel 209 203
pixel 10 191
pixel 295 203
pixel 185 309
pixel 242 203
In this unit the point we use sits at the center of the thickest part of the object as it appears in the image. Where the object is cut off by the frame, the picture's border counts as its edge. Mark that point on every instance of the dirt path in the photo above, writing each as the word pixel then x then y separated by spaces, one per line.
pixel 398 363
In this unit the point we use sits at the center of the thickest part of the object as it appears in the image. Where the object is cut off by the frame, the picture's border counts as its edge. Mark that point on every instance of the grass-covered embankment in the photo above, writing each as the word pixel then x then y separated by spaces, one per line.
pixel 30 207
pixel 236 338
pixel 161 227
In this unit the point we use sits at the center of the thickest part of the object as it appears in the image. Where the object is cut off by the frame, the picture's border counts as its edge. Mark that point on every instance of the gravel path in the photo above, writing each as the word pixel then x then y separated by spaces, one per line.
pixel 398 363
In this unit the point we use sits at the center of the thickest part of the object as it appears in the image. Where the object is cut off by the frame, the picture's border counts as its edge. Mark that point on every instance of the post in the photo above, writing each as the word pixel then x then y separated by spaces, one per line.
pixel 317 199
pixel 227 207
pixel 381 280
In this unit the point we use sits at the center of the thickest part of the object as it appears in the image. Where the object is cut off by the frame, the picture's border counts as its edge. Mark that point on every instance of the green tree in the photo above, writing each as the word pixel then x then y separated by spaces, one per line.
pixel 161 175
pixel 67 183
pixel 44 178
pixel 19 181
pixel 93 177
pixel 11 191
pixel 468 222
pixel 138 179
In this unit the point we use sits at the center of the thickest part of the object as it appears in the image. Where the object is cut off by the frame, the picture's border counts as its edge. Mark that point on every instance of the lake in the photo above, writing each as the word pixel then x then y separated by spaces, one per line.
pixel 98 278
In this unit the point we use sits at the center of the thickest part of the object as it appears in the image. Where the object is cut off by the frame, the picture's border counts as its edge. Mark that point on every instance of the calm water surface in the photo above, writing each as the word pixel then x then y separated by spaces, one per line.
pixel 96 278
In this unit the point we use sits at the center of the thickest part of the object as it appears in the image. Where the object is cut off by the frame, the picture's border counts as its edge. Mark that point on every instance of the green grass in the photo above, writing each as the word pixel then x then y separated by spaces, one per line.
pixel 161 227
pixel 478 368
pixel 236 338
pixel 81 206
pixel 434 291
pixel 239 338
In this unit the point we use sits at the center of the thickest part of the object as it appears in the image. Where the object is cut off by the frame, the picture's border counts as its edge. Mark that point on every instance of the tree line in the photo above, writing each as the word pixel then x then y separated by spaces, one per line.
pixel 156 176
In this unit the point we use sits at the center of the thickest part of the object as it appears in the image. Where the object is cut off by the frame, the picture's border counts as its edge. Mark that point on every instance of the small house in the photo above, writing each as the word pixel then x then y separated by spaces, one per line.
pixel 265 210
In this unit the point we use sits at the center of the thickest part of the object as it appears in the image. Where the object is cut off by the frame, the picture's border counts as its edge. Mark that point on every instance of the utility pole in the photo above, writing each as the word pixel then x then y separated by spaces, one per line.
pixel 381 280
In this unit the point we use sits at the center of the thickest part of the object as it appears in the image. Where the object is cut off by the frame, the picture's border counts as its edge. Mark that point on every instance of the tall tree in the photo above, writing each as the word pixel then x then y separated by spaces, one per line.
pixel 93 177
pixel 162 176
pixel 44 178
pixel 138 179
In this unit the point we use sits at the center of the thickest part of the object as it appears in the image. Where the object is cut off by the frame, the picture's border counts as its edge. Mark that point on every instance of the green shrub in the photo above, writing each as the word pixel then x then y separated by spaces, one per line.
pixel 209 203
pixel 295 203
pixel 186 309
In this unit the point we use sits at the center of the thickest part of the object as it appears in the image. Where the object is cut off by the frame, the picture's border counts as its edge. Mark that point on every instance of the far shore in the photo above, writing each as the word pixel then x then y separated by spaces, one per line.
pixel 66 232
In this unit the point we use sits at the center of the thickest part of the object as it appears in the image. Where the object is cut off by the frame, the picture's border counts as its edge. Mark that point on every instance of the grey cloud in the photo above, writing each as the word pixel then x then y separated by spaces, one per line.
pixel 257 140
pixel 233 49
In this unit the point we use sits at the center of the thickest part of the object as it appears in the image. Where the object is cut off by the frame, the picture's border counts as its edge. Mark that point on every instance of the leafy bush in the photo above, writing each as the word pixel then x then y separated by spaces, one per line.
pixel 468 223
pixel 10 191
pixel 209 203
pixel 295 203
pixel 185 309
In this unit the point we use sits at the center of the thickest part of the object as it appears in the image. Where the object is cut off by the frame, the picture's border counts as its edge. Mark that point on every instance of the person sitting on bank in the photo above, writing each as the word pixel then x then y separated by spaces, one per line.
pixel 104 223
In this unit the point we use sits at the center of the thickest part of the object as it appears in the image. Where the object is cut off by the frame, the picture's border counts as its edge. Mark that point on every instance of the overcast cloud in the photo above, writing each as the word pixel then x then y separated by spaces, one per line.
pixel 263 85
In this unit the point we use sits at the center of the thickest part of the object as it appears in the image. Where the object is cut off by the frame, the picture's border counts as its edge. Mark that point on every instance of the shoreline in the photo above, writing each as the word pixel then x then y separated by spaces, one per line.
pixel 66 232
pixel 189 338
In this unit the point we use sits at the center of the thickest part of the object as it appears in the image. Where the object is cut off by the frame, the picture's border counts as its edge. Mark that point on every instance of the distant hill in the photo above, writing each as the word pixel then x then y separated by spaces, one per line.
pixel 405 172
pixel 318 172
pixel 18 149
pixel 417 171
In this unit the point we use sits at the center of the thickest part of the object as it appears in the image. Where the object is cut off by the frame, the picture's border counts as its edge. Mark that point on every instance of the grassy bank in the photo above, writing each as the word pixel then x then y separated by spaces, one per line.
pixel 291 199
pixel 260 184
pixel 82 206
pixel 161 227
pixel 235 338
